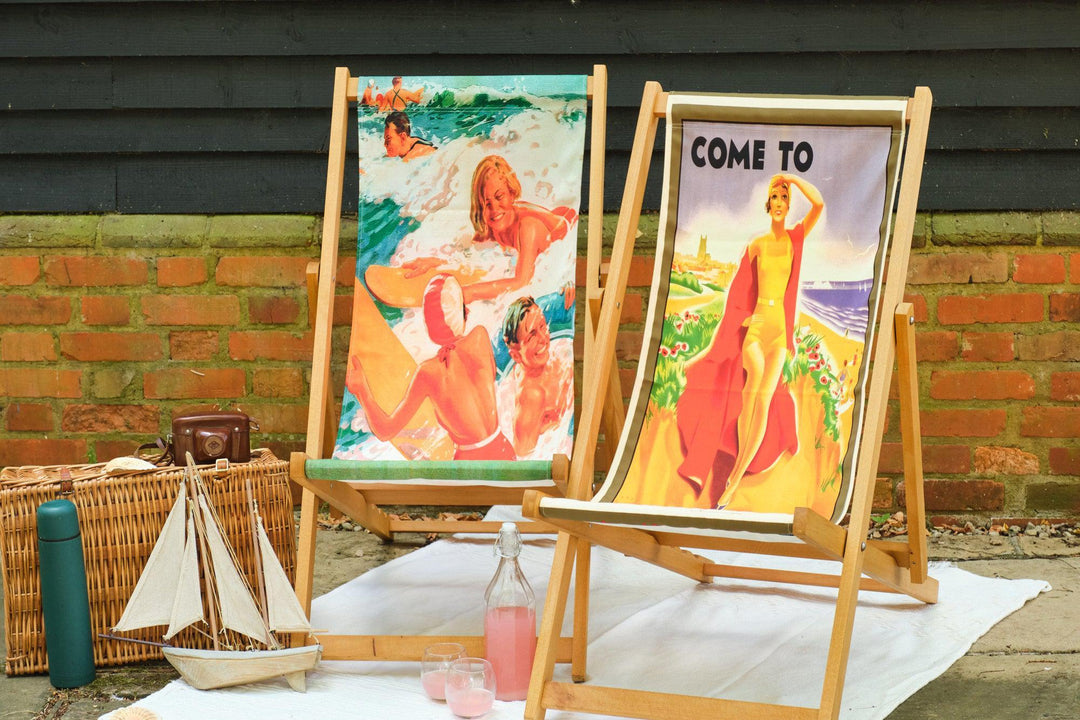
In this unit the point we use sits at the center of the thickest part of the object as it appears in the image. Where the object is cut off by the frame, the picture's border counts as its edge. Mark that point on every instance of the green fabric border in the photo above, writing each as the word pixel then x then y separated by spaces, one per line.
pixel 497 471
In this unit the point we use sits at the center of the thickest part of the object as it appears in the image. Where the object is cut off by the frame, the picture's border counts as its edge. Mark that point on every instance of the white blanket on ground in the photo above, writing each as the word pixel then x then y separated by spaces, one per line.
pixel 649 629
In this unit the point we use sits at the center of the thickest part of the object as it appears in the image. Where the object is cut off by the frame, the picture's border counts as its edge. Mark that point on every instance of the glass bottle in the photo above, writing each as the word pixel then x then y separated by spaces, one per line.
pixel 510 619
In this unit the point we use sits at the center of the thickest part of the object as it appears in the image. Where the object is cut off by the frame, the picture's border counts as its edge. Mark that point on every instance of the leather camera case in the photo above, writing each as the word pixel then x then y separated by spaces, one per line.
pixel 212 436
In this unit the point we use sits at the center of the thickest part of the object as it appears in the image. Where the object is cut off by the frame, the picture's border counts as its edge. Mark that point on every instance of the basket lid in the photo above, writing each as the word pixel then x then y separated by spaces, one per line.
pixel 57 520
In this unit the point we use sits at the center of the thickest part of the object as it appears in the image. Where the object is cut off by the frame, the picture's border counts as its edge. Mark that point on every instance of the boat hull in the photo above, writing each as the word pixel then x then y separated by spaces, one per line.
pixel 211 669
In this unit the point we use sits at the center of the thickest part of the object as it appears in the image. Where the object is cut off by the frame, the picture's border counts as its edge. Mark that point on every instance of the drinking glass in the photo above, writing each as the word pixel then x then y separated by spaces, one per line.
pixel 470 687
pixel 433 666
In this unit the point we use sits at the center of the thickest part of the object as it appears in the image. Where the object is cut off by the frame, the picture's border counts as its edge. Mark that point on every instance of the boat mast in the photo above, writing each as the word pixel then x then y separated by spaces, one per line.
pixel 193 491
pixel 253 514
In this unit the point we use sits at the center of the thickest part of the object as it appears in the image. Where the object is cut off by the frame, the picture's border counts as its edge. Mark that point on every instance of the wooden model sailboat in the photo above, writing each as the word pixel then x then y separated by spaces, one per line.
pixel 168 593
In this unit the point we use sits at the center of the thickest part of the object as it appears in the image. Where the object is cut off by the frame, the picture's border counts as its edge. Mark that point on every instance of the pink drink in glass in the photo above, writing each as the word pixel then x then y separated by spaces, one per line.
pixel 434 683
pixel 469 702
pixel 510 634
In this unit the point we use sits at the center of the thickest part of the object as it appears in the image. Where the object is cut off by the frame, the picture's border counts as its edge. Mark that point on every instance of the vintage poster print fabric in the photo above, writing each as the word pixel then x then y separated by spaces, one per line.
pixel 463 308
pixel 749 395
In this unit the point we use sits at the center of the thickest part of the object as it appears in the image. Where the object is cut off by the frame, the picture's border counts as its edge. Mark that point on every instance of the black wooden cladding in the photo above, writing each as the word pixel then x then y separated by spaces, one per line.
pixel 223 107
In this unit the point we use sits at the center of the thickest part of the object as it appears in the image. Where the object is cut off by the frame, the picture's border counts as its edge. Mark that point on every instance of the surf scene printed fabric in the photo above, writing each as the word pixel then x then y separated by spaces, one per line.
pixel 774 232
pixel 463 311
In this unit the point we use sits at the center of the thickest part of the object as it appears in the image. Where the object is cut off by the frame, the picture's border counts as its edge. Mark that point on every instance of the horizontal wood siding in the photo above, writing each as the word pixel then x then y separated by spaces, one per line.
pixel 206 107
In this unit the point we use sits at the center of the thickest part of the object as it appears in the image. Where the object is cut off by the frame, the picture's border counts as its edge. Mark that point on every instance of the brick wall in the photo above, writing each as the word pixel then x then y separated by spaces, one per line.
pixel 111 325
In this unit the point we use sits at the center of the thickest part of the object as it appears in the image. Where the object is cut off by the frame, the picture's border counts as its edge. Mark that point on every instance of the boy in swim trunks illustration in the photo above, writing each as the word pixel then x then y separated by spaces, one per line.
pixel 544 385
pixel 459 381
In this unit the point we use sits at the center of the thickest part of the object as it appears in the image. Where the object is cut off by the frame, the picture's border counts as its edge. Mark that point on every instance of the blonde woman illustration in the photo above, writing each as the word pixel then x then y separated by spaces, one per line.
pixel 736 416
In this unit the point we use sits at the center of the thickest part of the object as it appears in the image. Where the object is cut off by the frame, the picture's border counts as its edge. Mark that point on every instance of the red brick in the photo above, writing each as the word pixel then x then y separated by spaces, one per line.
pixel 346 271
pixel 105 450
pixel 280 419
pixel 937 459
pixel 270 345
pixel 42 452
pixel 981 385
pixel 278 382
pixel 82 271
pixel 1065 386
pixel 23 310
pixel 115 346
pixel 958 268
pixel 191 309
pixel 27 347
pixel 343 310
pixel 181 271
pixel 1039 269
pixel 987 347
pixel 273 310
pixel 1057 346
pixel 936 345
pixel 1055 497
pixel 35 382
pixel 111 418
pixel 962 423
pixel 1065 461
pixel 960 495
pixel 918 307
pixel 641 272
pixel 1065 307
pixel 1005 461
pixel 177 383
pixel 1074 268
pixel 22 270
pixel 883 494
pixel 29 417
pixel 1004 308
pixel 1059 422
pixel 106 310
pixel 193 344
pixel 258 271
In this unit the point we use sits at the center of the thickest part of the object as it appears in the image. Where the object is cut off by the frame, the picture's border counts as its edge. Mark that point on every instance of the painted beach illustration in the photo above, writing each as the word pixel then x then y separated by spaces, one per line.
pixel 463 311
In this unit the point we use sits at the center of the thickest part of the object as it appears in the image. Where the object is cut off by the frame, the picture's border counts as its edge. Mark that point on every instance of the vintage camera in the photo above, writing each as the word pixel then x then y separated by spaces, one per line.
pixel 210 437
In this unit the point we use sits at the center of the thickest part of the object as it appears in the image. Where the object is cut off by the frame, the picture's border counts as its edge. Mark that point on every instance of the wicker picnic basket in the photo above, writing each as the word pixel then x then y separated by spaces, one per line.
pixel 120 516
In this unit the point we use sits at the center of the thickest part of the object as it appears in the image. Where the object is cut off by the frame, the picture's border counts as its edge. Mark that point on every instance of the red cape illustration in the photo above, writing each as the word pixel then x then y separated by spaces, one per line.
pixel 708 410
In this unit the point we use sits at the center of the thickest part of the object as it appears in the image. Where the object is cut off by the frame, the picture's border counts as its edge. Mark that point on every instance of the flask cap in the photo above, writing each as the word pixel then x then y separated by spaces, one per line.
pixel 57 520
pixel 508 544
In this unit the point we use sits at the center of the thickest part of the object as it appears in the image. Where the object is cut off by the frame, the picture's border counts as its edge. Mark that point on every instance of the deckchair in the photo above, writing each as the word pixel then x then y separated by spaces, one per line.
pixel 677 480
pixel 429 244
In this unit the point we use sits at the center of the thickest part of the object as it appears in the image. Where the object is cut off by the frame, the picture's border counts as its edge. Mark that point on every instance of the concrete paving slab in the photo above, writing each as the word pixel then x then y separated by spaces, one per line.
pixel 988 687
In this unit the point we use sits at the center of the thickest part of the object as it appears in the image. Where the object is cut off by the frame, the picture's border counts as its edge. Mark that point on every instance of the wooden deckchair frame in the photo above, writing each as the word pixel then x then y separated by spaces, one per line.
pixel 362 503
pixel 888 566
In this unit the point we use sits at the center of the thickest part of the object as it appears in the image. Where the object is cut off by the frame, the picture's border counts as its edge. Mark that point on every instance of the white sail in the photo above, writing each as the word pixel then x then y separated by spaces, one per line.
pixel 238 611
pixel 282 607
pixel 187 607
pixel 151 601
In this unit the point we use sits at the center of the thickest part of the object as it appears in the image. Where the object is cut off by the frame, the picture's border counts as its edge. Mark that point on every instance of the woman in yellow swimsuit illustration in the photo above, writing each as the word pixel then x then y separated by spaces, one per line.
pixel 735 416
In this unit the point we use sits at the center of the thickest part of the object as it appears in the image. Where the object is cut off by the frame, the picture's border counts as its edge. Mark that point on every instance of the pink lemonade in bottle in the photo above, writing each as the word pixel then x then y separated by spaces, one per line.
pixel 510 620
pixel 510 634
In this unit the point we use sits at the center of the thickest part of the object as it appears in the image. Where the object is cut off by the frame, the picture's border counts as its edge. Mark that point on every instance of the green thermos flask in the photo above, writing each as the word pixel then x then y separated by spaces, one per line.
pixel 64 598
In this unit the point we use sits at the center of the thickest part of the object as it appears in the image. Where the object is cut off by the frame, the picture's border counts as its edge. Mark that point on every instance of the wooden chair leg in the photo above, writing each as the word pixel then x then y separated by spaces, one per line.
pixel 581 612
pixel 305 550
pixel 551 626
